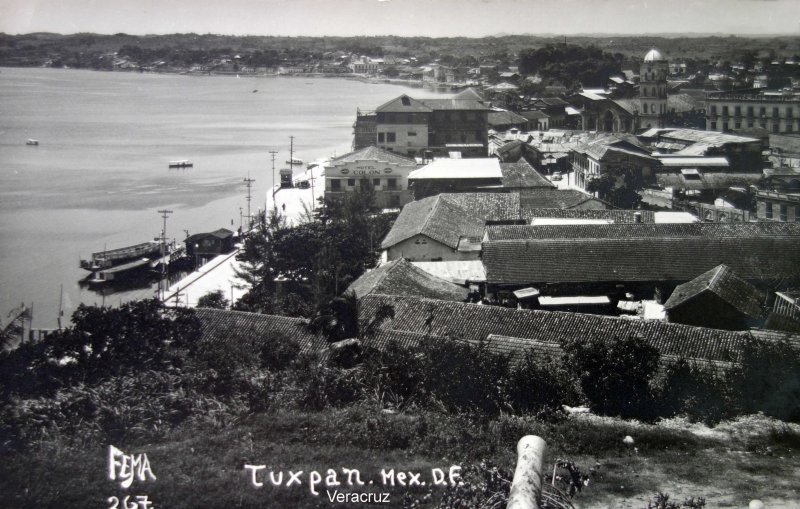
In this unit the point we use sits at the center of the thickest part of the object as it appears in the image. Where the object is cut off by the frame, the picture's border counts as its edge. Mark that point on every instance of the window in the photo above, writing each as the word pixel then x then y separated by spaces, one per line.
pixel 713 109
pixel 737 110
pixel 381 137
pixel 749 123
pixel 737 125
pixel 725 111
pixel 713 126
pixel 725 127
pixel 391 137
pixel 351 182
pixel 784 213
pixel 405 101
pixel 412 133
pixel 376 182
pixel 763 111
pixel 336 185
pixel 789 112
pixel 768 210
pixel 776 128
pixel 749 111
pixel 775 113
pixel 391 184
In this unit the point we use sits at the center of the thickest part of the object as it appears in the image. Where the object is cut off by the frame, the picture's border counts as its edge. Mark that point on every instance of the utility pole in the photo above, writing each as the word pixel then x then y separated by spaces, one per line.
pixel 273 153
pixel 249 183
pixel 161 284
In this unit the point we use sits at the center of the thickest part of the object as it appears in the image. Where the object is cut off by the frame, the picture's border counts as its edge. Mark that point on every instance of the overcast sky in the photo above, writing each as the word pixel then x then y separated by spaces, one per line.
pixel 433 18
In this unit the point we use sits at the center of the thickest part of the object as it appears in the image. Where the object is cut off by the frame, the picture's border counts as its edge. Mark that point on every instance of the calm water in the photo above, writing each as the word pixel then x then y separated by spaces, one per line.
pixel 100 172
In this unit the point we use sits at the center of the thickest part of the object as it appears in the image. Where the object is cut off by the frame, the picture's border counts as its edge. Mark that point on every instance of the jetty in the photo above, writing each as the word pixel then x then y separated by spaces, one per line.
pixel 218 274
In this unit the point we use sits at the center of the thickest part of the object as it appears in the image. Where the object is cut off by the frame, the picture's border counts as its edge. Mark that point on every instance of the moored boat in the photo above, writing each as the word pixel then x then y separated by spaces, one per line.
pixel 183 163
pixel 294 161
pixel 32 142
pixel 114 257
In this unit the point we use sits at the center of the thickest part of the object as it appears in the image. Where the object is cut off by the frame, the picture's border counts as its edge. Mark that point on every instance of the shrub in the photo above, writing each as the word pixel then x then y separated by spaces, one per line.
pixel 393 375
pixel 463 377
pixel 698 393
pixel 540 385
pixel 279 352
pixel 614 374
pixel 768 379
pixel 213 299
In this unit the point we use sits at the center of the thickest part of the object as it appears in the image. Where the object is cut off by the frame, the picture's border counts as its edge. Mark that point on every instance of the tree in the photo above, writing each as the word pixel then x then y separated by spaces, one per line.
pixel 213 299
pixel 619 187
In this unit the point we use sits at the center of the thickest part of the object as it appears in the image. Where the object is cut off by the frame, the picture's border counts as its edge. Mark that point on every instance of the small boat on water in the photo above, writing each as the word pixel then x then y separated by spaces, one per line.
pixel 294 161
pixel 183 163
pixel 32 142
pixel 124 263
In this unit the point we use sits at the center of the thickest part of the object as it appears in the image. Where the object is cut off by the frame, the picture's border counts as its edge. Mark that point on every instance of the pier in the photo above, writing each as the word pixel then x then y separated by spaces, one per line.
pixel 218 274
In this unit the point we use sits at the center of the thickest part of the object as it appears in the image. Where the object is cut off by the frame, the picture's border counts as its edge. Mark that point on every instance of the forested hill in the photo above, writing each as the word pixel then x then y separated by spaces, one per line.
pixel 94 50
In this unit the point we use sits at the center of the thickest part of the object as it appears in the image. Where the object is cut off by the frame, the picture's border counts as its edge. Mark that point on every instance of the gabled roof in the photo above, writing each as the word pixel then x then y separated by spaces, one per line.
pixel 522 174
pixel 534 114
pixel 222 233
pixel 503 117
pixel 220 325
pixel 400 277
pixel 552 198
pixel 435 218
pixel 373 153
pixel 639 252
pixel 422 318
pixel 404 104
pixel 707 180
pixel 487 206
pixel 455 104
pixel 469 93
pixel 726 285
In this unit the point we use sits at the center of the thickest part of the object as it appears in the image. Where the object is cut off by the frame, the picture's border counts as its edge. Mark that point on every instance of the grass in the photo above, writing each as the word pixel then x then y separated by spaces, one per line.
pixel 201 466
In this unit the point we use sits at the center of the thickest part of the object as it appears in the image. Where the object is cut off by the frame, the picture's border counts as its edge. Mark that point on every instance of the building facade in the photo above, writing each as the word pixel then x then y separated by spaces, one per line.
pixel 382 171
pixel 776 206
pixel 653 89
pixel 776 112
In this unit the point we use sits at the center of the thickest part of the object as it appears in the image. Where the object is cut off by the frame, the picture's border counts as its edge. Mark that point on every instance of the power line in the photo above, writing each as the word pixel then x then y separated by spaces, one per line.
pixel 249 183
pixel 162 290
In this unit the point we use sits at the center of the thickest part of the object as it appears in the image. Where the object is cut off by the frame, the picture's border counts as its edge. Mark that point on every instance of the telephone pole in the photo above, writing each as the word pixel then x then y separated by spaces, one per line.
pixel 249 183
pixel 162 291
pixel 273 153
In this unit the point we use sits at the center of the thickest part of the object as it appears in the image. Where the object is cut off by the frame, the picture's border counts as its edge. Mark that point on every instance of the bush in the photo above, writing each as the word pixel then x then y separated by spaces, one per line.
pixel 279 352
pixel 614 374
pixel 213 299
pixel 541 386
pixel 768 379
pixel 393 375
pixel 699 394
pixel 462 377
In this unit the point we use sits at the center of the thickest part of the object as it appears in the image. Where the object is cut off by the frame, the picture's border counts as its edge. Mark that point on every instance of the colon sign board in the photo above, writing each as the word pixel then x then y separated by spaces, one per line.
pixel 364 170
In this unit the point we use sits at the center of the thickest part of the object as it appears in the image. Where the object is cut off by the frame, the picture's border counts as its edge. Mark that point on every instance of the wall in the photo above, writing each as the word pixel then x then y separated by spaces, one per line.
pixel 351 174
pixel 422 248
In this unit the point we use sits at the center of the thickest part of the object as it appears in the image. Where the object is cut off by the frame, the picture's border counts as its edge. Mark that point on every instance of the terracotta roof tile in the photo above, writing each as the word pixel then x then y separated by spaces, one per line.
pixel 401 277
pixel 724 283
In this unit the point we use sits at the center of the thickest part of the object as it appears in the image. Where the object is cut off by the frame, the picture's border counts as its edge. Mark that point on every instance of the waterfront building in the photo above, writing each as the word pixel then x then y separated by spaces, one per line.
pixel 428 127
pixel 202 247
pixel 371 167
pixel 456 175
pixel 777 112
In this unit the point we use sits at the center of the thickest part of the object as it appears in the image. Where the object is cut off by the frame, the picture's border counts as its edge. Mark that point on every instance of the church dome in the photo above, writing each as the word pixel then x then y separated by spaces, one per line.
pixel 653 56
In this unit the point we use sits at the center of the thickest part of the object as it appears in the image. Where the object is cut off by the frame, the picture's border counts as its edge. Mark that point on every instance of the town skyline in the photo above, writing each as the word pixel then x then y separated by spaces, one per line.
pixel 407 18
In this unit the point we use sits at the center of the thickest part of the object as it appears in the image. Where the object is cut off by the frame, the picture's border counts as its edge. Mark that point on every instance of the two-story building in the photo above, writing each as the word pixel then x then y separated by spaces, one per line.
pixel 371 167
pixel 775 111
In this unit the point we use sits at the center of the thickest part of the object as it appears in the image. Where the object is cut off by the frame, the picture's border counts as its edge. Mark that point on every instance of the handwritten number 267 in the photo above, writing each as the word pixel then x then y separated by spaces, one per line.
pixel 141 502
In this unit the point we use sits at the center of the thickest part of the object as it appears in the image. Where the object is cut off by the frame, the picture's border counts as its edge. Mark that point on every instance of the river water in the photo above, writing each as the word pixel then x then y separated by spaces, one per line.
pixel 100 172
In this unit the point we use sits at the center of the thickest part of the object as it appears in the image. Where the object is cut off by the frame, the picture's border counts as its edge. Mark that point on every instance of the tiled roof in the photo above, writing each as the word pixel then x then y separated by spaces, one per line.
pixel 522 174
pixel 487 206
pixel 400 277
pixel 534 114
pixel 435 218
pixel 707 180
pixel 221 325
pixel 473 322
pixel 505 118
pixel 552 198
pixel 639 252
pixel 615 215
pixel 469 93
pixel 373 153
pixel 630 105
pixel 455 271
pixel 683 102
pixel 729 287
